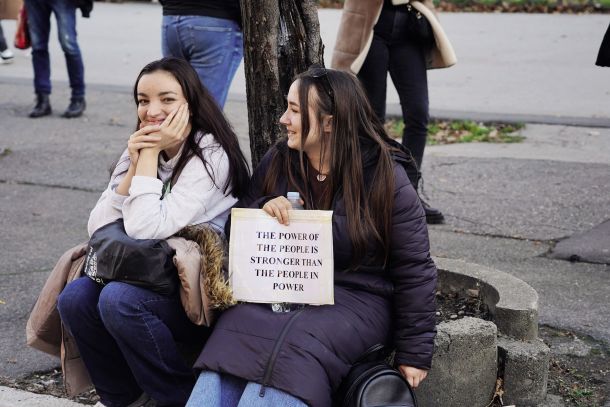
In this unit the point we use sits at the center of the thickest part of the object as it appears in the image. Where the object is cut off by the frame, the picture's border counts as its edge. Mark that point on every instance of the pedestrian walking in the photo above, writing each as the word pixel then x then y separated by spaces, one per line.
pixel 39 24
pixel 381 36
pixel 207 33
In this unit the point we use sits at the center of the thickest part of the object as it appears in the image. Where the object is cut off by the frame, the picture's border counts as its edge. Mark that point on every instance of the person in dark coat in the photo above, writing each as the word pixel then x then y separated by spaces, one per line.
pixel 338 157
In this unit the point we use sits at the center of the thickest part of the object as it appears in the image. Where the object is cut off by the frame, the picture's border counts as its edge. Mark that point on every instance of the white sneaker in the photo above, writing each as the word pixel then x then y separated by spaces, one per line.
pixel 7 55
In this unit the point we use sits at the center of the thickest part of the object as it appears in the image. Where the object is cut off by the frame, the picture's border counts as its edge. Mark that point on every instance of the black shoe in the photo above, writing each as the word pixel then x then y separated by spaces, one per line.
pixel 433 215
pixel 76 108
pixel 43 106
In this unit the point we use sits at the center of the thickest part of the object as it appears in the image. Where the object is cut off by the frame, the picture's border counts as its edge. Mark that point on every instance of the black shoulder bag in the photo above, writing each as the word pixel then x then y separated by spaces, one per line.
pixel 114 256
pixel 373 382
pixel 418 27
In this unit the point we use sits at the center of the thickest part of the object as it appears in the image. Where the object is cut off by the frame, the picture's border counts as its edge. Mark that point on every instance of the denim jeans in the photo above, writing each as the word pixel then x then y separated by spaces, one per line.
pixel 127 337
pixel 221 390
pixel 39 22
pixel 213 46
pixel 392 50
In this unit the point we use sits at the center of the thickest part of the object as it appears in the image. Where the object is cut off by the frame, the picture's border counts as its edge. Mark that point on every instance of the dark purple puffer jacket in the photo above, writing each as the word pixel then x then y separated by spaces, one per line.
pixel 308 352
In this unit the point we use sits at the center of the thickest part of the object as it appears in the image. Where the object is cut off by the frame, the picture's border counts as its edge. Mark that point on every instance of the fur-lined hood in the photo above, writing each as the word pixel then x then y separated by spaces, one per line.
pixel 202 263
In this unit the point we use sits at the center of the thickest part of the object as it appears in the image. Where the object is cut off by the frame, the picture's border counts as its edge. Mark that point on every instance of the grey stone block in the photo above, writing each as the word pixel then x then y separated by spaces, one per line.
pixel 524 366
pixel 463 366
pixel 512 302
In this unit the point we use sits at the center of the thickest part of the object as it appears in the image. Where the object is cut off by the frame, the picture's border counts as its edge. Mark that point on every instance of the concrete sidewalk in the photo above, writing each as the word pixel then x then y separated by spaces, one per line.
pixel 527 67
pixel 18 398
pixel 506 205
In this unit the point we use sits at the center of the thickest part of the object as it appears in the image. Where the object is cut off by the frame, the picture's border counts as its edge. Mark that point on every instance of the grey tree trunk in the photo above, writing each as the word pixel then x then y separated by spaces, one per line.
pixel 281 39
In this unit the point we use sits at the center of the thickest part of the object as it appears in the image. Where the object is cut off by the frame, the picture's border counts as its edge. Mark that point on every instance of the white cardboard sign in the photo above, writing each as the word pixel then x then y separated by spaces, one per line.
pixel 270 262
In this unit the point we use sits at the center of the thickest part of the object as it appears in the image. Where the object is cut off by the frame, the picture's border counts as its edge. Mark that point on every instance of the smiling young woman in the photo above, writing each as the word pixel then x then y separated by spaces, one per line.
pixel 338 157
pixel 182 167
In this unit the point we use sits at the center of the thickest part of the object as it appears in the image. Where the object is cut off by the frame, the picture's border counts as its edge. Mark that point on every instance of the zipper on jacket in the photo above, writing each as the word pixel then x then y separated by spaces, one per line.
pixel 276 351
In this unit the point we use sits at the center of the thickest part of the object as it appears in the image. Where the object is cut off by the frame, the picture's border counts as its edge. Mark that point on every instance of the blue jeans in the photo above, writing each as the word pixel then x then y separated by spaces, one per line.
pixel 220 390
pixel 127 337
pixel 213 46
pixel 39 22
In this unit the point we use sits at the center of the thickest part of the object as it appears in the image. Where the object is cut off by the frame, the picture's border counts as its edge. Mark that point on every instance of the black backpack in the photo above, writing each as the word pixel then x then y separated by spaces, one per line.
pixel 372 382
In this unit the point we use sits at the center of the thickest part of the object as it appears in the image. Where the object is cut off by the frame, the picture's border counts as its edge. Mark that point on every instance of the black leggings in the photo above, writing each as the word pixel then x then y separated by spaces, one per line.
pixel 392 50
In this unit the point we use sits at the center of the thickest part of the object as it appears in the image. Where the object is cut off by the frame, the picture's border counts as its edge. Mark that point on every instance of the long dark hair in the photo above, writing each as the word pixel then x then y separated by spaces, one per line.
pixel 206 117
pixel 368 203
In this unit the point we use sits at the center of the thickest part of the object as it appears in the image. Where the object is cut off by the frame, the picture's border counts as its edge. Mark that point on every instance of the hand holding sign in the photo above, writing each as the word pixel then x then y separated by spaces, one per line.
pixel 271 262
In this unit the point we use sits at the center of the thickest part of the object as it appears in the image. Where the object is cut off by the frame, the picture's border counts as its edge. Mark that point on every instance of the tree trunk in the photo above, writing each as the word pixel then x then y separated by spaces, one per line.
pixel 281 39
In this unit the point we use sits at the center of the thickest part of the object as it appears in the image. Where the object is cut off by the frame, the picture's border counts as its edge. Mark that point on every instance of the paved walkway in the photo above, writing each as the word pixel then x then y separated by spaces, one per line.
pixel 530 67
pixel 506 205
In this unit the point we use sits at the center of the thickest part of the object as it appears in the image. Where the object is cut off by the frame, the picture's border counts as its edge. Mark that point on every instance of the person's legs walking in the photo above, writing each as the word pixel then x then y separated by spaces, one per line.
pixel 111 376
pixel 39 24
pixel 408 71
pixel 374 72
pixel 409 74
pixel 65 14
pixel 214 47
pixel 146 327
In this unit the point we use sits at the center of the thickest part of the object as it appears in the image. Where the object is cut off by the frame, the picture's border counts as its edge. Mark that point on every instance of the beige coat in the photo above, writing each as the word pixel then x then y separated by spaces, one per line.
pixel 203 291
pixel 356 34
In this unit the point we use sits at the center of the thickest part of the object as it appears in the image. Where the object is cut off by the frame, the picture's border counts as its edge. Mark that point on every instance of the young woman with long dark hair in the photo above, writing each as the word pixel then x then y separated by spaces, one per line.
pixel 338 156
pixel 182 166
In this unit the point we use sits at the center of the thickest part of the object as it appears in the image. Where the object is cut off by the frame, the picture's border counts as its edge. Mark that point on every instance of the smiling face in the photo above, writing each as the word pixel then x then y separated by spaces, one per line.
pixel 159 93
pixel 292 120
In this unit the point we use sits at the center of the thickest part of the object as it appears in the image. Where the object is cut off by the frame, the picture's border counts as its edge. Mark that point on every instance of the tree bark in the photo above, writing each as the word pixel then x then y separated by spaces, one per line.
pixel 281 40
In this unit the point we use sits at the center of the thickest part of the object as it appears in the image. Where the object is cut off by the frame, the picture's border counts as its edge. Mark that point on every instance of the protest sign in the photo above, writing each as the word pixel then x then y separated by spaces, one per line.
pixel 270 262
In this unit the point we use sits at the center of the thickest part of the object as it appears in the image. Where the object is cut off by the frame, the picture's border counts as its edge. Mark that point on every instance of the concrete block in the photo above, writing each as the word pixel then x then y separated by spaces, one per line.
pixel 524 366
pixel 463 366
pixel 512 302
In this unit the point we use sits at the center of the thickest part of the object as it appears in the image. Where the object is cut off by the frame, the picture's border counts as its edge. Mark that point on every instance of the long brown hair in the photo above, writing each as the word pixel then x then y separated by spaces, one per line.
pixel 206 118
pixel 356 134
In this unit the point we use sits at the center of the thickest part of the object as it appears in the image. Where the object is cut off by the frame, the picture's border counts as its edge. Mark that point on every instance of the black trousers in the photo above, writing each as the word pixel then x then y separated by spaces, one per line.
pixel 392 50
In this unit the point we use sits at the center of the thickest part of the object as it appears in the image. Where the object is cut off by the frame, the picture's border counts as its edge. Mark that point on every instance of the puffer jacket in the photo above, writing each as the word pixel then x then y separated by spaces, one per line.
pixel 308 352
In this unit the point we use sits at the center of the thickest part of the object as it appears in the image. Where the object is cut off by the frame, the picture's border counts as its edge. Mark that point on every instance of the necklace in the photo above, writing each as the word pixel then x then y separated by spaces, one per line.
pixel 321 177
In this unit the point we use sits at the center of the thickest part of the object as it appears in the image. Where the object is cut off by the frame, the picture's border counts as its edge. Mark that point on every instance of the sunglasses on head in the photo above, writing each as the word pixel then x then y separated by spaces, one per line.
pixel 322 73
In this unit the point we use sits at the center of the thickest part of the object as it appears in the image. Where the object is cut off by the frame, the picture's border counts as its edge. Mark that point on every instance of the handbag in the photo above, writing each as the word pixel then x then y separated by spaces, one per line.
pixel 418 27
pixel 375 383
pixel 114 256
pixel 22 34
